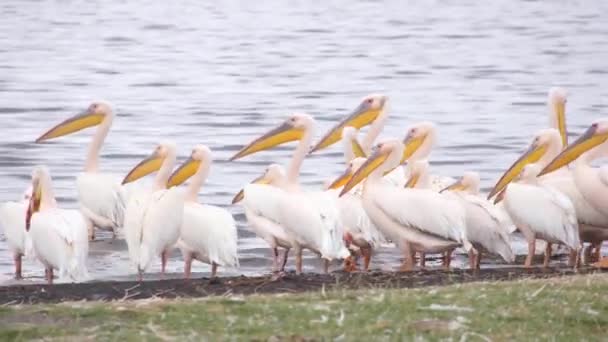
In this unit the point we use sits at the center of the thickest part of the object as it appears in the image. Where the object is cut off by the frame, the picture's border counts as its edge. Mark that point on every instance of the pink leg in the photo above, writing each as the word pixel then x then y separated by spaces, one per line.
pixel 531 251
pixel 325 266
pixel 547 255
pixel 18 266
pixel 187 265
pixel 367 257
pixel 298 260
pixel 471 259
pixel 213 270
pixel 447 259
pixel 408 257
pixel 140 275
pixel 49 275
pixel 275 259
pixel 478 260
pixel 163 265
pixel 284 262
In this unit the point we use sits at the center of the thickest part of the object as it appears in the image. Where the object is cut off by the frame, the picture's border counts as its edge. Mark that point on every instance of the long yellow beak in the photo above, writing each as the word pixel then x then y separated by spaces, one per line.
pixel 362 116
pixel 241 194
pixel 372 163
pixel 183 172
pixel 532 155
pixel 560 110
pixel 412 144
pixel 342 179
pixel 456 186
pixel 283 134
pixel 584 143
pixel 358 150
pixel 144 168
pixel 74 124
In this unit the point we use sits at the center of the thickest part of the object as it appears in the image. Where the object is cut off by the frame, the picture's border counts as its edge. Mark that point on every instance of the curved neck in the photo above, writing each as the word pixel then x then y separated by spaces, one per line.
pixel 47 199
pixel 92 162
pixel 293 171
pixel 347 145
pixel 553 149
pixel 374 131
pixel 197 181
pixel 160 181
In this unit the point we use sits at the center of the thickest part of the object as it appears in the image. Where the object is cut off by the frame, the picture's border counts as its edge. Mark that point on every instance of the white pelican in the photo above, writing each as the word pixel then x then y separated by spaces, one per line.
pixel 431 223
pixel 153 217
pixel 208 233
pixel 545 146
pixel 592 182
pixel 358 228
pixel 261 201
pixel 311 219
pixel 487 226
pixel 13 224
pixel 101 196
pixel 541 212
pixel 351 146
pixel 59 236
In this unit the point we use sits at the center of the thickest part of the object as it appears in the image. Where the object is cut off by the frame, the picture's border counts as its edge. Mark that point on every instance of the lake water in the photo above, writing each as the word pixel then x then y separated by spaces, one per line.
pixel 222 73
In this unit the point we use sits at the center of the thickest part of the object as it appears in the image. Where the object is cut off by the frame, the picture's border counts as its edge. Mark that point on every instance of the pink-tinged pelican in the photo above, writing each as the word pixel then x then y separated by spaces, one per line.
pixel 13 225
pixel 101 196
pixel 541 212
pixel 153 217
pixel 208 233
pixel 59 236
pixel 487 226
pixel 311 219
pixel 358 228
pixel 592 182
pixel 432 223
pixel 261 200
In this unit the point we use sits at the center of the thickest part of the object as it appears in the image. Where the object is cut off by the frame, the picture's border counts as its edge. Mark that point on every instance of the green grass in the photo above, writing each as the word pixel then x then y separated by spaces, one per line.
pixel 569 309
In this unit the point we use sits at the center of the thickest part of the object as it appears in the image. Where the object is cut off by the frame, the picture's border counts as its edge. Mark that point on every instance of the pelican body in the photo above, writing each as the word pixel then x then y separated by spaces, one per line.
pixel 153 217
pixel 13 224
pixel 101 196
pixel 59 236
pixel 208 233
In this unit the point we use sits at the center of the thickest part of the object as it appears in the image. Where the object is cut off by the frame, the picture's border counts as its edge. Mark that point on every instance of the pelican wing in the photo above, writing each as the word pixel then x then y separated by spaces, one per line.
pixel 585 212
pixel 355 220
pixel 261 203
pixel 211 231
pixel 102 198
pixel 12 222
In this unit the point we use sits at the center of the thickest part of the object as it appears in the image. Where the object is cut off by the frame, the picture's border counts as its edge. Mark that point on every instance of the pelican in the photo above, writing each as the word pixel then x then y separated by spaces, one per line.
pixel 261 200
pixel 17 238
pixel 541 212
pixel 59 236
pixel 592 182
pixel 545 146
pixel 486 225
pixel 208 233
pixel 350 144
pixel 358 228
pixel 102 198
pixel 153 217
pixel 311 219
pixel 432 223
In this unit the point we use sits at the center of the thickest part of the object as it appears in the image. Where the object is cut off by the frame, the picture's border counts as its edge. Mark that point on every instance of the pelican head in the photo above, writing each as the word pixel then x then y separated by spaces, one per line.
pixel 291 129
pixel 94 115
pixel 596 134
pixel 352 167
pixel 273 174
pixel 152 163
pixel 349 135
pixel 420 139
pixel 469 182
pixel 40 176
pixel 367 112
pixel 201 154
pixel 418 173
pixel 546 142
pixel 557 107
pixel 386 156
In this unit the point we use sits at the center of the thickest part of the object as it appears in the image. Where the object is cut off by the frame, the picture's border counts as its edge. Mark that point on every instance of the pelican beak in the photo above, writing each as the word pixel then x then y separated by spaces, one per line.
pixel 86 119
pixel 412 144
pixel 34 204
pixel 145 167
pixel 532 155
pixel 183 172
pixel 372 163
pixel 412 181
pixel 584 143
pixel 358 150
pixel 342 179
pixel 560 110
pixel 456 186
pixel 362 116
pixel 241 194
pixel 500 196
pixel 282 134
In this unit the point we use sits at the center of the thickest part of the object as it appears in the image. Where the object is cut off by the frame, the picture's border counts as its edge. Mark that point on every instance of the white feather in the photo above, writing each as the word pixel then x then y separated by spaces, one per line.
pixel 261 203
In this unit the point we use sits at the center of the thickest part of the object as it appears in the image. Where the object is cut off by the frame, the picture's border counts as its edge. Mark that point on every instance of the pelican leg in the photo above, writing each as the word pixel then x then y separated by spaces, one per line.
pixel 586 255
pixel 275 259
pixel 91 230
pixel 447 259
pixel 409 260
pixel 163 263
pixel 325 266
pixel 471 259
pixel 17 258
pixel 49 275
pixel 187 265
pixel 213 270
pixel 598 251
pixel 478 260
pixel 531 251
pixel 284 262
pixel 367 257
pixel 140 275
pixel 298 252
pixel 547 255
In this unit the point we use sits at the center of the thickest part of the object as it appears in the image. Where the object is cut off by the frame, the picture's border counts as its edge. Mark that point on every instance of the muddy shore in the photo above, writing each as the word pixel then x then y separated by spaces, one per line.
pixel 289 283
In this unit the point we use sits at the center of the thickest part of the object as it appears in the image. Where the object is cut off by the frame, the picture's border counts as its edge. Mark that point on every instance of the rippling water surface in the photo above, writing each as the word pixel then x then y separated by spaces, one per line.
pixel 222 73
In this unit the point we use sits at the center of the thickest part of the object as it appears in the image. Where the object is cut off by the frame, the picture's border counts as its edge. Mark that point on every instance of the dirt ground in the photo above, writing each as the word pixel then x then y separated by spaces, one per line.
pixel 289 283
